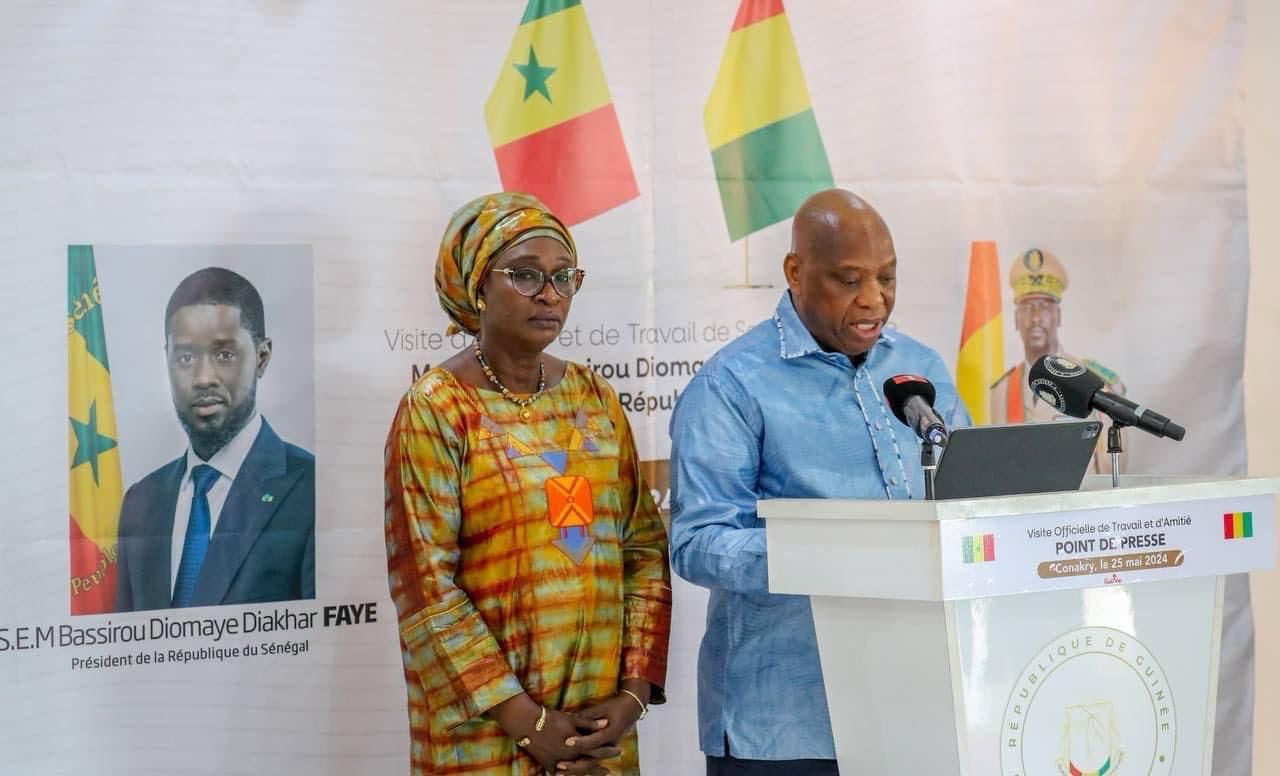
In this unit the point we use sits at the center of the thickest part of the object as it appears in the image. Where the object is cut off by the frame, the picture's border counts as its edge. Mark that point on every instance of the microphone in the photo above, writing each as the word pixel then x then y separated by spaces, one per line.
pixel 911 399
pixel 1076 391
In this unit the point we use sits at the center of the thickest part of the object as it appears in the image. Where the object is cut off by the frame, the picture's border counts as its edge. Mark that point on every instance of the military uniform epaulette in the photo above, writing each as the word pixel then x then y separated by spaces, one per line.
pixel 1004 376
pixel 1108 376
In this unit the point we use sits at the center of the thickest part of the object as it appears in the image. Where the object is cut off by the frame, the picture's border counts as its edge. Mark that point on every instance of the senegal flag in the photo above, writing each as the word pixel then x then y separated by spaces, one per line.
pixel 981 358
pixel 94 485
pixel 764 140
pixel 551 119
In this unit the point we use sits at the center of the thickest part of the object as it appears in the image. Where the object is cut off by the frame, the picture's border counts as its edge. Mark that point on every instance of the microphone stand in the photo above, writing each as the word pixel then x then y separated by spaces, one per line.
pixel 1114 449
pixel 928 464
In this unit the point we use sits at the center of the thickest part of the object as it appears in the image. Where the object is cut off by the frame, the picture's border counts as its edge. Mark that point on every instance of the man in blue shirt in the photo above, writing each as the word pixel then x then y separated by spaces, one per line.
pixel 791 409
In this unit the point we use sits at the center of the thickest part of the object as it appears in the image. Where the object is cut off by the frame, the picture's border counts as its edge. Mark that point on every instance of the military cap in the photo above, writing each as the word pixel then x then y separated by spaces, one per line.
pixel 1038 272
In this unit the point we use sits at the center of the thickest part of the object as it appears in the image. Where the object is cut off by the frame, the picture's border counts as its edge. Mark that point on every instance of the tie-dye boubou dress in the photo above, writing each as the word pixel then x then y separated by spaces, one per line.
pixel 523 556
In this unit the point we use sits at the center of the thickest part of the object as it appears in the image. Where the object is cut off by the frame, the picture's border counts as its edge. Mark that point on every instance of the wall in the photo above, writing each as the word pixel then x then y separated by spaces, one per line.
pixel 1261 378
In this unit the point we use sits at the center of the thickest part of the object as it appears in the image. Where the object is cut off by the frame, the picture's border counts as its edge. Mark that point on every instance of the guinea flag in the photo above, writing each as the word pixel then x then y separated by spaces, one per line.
pixel 981 359
pixel 551 120
pixel 765 145
pixel 1237 525
pixel 94 478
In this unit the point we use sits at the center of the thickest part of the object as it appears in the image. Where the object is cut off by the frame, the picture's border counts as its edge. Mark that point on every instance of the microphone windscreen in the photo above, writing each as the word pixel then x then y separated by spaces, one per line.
pixel 1064 384
pixel 899 388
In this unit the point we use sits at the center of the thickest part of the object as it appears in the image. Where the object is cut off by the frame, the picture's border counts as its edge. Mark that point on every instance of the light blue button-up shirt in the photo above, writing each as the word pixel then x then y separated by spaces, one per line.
pixel 772 415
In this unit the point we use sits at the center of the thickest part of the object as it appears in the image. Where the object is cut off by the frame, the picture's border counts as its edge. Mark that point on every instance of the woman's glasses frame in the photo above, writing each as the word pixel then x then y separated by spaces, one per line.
pixel 565 282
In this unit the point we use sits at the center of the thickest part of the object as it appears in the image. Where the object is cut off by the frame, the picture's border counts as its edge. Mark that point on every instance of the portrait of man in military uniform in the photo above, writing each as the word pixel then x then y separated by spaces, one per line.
pixel 1039 281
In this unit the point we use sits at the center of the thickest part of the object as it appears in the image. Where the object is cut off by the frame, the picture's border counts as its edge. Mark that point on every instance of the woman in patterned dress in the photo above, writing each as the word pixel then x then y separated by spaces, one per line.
pixel 526 559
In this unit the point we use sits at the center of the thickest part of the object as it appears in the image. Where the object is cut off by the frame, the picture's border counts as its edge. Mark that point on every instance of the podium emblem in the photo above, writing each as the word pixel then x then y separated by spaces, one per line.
pixel 1092 702
pixel 1090 741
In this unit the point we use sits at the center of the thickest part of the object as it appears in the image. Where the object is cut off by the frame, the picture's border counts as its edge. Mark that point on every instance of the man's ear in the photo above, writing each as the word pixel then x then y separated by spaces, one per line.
pixel 791 270
pixel 263 349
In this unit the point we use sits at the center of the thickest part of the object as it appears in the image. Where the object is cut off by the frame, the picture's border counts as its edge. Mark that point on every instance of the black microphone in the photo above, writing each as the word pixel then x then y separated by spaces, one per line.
pixel 1076 391
pixel 911 399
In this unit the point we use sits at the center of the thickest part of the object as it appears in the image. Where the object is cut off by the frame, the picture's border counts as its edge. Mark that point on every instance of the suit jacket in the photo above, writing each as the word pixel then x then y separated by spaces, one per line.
pixel 262 549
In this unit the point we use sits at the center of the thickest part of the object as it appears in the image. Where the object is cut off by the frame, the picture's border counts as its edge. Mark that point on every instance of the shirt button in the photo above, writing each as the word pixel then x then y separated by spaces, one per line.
pixel 877 425
pixel 893 480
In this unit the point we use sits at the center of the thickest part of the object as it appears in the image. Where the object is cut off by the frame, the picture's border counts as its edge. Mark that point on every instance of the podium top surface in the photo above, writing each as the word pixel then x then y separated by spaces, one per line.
pixel 1096 493
pixel 1148 530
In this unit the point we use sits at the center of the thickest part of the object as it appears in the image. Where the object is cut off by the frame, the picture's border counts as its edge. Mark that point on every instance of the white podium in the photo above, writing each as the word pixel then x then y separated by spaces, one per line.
pixel 1061 634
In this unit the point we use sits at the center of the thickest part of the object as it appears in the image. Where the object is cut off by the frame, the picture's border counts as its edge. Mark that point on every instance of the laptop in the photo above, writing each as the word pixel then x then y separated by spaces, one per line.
pixel 1021 458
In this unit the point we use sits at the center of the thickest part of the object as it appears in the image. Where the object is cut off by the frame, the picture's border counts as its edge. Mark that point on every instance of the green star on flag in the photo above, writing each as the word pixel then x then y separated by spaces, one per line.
pixel 569 152
pixel 535 76
pixel 89 443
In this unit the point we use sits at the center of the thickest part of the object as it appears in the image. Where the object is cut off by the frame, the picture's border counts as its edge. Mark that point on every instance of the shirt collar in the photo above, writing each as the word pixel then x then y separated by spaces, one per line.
pixel 231 457
pixel 795 339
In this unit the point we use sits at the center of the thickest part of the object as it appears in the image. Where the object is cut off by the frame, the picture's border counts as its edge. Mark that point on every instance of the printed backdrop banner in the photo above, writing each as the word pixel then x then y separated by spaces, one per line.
pixel 317 149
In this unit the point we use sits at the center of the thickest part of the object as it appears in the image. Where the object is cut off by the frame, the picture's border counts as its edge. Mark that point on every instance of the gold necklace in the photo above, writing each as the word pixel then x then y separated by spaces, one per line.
pixel 523 404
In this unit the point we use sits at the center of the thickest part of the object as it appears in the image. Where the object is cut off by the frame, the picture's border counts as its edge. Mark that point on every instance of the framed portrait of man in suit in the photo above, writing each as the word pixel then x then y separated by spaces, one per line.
pixel 207 405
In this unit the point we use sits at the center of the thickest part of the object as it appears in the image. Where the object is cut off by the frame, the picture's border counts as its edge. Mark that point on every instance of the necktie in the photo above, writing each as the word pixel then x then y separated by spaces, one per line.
pixel 196 543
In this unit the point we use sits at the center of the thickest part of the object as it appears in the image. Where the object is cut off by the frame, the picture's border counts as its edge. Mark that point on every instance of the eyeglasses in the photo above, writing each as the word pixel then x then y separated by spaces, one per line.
pixel 528 281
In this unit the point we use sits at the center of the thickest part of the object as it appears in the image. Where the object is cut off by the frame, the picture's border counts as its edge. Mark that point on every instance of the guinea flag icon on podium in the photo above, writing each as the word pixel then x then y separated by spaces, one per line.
pixel 1237 525
pixel 550 117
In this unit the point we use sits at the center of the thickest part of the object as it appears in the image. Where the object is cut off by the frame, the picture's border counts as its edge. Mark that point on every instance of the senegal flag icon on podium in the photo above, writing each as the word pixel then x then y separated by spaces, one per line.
pixel 550 117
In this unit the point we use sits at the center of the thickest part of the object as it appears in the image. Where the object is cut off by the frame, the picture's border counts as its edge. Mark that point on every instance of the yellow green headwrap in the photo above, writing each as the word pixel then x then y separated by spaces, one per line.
pixel 477 233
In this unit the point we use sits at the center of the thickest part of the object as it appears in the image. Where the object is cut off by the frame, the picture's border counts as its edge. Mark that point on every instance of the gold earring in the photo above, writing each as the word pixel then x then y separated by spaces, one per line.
pixel 480 305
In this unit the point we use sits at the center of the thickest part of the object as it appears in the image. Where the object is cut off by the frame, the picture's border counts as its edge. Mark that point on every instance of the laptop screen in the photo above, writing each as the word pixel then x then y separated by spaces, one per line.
pixel 1023 458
